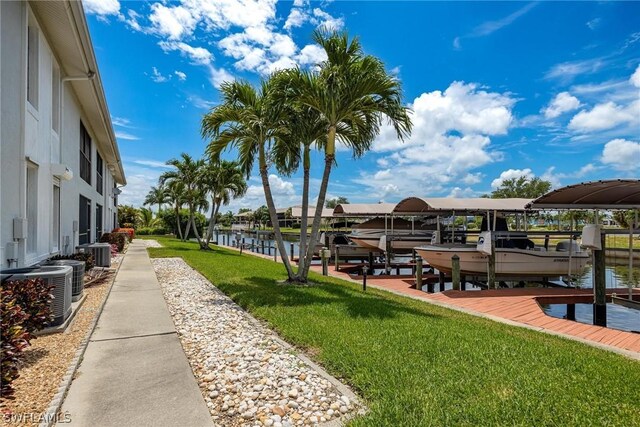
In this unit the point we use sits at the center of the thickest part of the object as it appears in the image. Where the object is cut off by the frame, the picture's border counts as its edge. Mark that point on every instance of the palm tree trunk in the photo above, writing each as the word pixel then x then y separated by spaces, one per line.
pixel 211 222
pixel 188 228
pixel 302 251
pixel 178 222
pixel 272 214
pixel 328 163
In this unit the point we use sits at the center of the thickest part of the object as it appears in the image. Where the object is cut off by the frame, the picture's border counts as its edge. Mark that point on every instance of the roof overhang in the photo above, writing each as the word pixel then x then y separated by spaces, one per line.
pixel 65 26
pixel 296 212
pixel 433 205
pixel 606 194
pixel 363 209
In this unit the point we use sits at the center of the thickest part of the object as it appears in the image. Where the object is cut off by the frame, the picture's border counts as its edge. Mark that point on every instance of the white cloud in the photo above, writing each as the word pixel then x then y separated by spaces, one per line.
pixel 594 23
pixel 622 154
pixel 140 178
pixel 284 194
pixel 173 22
pixel 323 19
pixel 562 103
pixel 126 136
pixel 181 76
pixel 604 116
pixel 198 55
pixel 152 164
pixel 458 192
pixel 121 121
pixel 635 78
pixel 157 77
pixel 102 7
pixel 566 71
pixel 296 18
pixel 511 174
pixel 311 54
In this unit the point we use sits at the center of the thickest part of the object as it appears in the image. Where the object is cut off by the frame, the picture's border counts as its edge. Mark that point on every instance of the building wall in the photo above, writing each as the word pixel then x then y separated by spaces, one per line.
pixel 29 141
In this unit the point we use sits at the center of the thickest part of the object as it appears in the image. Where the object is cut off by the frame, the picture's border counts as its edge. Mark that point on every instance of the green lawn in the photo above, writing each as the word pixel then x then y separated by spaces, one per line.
pixel 418 364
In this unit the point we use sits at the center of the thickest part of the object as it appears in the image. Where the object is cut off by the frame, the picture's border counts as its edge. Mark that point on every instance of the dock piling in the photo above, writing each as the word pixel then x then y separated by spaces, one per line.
pixel 599 285
pixel 291 252
pixel 370 262
pixel 337 259
pixel 364 279
pixel 325 261
pixel 455 272
pixel 441 280
pixel 419 273
pixel 571 312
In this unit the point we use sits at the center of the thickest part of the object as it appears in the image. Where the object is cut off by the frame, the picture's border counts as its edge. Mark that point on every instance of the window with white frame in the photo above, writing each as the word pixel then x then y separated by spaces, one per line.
pixel 32 208
pixel 32 62
pixel 55 98
pixel 55 235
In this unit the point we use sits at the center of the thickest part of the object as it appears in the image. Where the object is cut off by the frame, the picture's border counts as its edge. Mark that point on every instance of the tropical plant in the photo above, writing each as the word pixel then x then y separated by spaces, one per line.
pixel 223 181
pixel 128 215
pixel 175 196
pixel 354 94
pixel 157 196
pixel 169 219
pixel 251 120
pixel 261 216
pixel 188 171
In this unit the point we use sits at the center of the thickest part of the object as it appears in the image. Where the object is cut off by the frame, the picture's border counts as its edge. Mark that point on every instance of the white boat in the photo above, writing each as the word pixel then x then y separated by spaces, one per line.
pixel 372 234
pixel 510 262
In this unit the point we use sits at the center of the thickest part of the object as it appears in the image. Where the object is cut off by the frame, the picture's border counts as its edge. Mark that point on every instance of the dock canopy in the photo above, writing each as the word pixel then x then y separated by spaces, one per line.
pixel 296 212
pixel 610 194
pixel 422 206
pixel 363 209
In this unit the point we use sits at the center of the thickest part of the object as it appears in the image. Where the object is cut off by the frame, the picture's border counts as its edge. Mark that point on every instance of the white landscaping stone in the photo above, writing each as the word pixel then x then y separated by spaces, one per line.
pixel 233 356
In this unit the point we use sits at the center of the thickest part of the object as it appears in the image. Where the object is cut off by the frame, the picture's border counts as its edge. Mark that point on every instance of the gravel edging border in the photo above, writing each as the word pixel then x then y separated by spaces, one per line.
pixel 341 387
pixel 49 417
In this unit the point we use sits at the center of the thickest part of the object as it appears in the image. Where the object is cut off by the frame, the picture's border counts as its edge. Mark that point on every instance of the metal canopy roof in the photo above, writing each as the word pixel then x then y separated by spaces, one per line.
pixel 296 212
pixel 418 205
pixel 363 209
pixel 609 194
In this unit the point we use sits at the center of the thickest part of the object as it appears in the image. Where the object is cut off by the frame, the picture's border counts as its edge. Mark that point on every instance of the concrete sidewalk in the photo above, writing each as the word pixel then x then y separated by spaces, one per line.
pixel 134 371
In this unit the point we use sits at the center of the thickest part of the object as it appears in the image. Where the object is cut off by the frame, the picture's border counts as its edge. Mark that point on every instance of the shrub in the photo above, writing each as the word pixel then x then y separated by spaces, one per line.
pixel 148 231
pixel 168 216
pixel 25 307
pixel 128 230
pixel 117 239
pixel 86 257
pixel 144 231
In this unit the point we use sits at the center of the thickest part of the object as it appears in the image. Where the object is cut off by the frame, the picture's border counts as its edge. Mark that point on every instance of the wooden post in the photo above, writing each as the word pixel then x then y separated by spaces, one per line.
pixel 419 273
pixel 455 272
pixel 242 242
pixel 364 279
pixel 463 283
pixel 571 312
pixel 275 253
pixel 217 239
pixel 387 258
pixel 370 262
pixel 441 281
pixel 253 245
pixel 337 259
pixel 325 261
pixel 599 285
pixel 224 240
pixel 262 244
pixel 291 252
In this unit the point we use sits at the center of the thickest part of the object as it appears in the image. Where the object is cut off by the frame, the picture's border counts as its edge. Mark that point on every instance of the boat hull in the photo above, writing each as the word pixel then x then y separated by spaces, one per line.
pixel 509 262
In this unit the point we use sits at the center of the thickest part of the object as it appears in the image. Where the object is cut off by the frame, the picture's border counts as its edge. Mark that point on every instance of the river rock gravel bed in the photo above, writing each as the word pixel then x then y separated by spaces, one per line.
pixel 248 377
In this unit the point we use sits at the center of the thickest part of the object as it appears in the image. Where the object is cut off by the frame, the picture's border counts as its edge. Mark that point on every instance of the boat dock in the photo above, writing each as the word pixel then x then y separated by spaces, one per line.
pixel 519 306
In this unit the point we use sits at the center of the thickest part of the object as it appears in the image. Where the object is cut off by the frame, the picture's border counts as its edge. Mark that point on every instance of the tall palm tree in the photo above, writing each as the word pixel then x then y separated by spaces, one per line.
pixel 146 218
pixel 188 171
pixel 252 121
pixel 175 196
pixel 156 196
pixel 354 93
pixel 223 181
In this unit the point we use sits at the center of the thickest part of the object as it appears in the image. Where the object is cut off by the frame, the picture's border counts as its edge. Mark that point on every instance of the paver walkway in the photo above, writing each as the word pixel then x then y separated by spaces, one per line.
pixel 134 371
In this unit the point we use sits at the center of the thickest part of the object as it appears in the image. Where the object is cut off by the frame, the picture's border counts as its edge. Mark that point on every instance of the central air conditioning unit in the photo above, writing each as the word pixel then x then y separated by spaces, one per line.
pixel 101 253
pixel 58 276
pixel 77 281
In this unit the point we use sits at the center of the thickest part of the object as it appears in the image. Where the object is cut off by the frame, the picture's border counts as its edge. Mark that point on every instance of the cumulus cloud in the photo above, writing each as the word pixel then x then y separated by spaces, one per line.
pixel 604 116
pixel 157 76
pixel 284 194
pixel 635 78
pixel 622 155
pixel 562 103
pixel 173 22
pixel 511 174
pixel 451 136
pixel 181 76
pixel 198 55
pixel 102 7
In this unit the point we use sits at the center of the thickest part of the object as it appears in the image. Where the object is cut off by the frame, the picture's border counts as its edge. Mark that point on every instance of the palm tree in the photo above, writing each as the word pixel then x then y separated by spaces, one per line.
pixel 175 196
pixel 156 196
pixel 146 218
pixel 354 93
pixel 250 120
pixel 188 171
pixel 223 181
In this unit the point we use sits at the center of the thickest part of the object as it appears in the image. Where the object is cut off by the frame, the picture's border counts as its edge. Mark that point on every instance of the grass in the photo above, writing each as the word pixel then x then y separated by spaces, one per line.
pixel 416 364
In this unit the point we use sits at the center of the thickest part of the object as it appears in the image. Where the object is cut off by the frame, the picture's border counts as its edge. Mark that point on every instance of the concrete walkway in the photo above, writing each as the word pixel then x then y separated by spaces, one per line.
pixel 134 371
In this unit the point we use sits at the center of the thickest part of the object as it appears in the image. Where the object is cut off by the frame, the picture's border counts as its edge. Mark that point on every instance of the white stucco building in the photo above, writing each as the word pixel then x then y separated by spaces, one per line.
pixel 59 160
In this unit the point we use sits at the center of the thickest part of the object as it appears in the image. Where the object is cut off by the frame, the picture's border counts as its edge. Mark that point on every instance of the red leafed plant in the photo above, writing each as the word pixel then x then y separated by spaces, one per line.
pixel 114 249
pixel 25 307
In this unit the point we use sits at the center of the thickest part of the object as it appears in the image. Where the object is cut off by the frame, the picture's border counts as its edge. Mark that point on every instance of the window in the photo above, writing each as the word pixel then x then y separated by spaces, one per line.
pixel 85 154
pixel 84 221
pixel 98 221
pixel 55 99
pixel 55 237
pixel 99 170
pixel 32 208
pixel 32 64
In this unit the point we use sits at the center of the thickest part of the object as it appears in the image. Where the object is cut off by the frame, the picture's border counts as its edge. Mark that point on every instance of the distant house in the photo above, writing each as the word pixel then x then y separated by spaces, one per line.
pixel 59 160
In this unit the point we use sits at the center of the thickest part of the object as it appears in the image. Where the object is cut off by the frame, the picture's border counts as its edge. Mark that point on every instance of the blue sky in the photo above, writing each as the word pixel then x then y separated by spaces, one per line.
pixel 498 89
